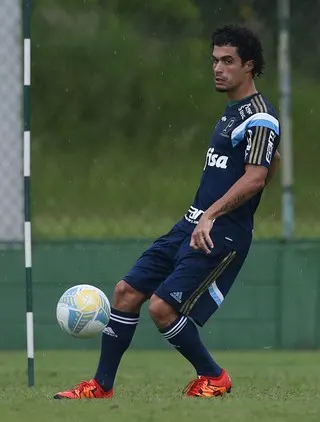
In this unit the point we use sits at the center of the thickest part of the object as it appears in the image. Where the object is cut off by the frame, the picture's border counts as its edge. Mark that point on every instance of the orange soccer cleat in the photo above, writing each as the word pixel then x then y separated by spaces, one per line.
pixel 208 386
pixel 85 390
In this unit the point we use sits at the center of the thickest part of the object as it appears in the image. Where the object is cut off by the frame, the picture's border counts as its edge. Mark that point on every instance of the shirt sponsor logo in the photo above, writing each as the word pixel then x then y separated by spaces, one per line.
pixel 215 160
pixel 270 146
pixel 193 215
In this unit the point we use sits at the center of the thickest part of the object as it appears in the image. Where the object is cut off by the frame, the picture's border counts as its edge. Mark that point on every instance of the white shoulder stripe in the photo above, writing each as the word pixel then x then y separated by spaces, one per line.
pixel 263 119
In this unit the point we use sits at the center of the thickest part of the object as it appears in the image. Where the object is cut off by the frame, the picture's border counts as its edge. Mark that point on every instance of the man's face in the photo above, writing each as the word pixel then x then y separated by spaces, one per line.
pixel 228 69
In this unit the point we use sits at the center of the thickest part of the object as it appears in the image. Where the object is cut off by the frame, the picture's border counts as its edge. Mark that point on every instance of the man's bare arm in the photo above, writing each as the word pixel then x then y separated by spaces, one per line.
pixel 275 164
pixel 254 179
pixel 252 182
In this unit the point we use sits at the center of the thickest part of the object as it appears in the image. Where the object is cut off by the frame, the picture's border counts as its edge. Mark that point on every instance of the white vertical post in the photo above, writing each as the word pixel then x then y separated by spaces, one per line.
pixel 286 118
pixel 27 190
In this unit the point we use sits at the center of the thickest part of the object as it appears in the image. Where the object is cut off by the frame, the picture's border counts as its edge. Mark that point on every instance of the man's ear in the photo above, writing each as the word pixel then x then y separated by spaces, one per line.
pixel 249 66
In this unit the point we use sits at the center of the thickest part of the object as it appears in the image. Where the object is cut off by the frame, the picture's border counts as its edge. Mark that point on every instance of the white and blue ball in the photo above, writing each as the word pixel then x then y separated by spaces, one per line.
pixel 83 311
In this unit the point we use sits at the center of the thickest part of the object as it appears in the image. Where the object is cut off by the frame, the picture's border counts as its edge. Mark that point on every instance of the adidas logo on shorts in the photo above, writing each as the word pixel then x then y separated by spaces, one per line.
pixel 177 296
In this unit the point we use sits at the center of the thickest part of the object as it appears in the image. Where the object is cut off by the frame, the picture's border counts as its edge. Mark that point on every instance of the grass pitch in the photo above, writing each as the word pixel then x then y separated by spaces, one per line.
pixel 268 387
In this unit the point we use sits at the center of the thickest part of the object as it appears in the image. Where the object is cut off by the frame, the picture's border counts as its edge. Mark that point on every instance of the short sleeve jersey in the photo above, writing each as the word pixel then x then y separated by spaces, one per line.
pixel 247 133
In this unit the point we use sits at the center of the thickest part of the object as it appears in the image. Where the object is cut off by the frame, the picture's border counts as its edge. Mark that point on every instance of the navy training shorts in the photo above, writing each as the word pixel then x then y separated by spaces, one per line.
pixel 191 281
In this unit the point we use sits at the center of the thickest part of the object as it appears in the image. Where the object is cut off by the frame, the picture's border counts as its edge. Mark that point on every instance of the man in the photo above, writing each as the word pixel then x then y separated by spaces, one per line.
pixel 188 272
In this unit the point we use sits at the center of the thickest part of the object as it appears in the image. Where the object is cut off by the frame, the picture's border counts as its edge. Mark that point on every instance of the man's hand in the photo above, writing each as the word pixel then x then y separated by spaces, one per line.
pixel 245 188
pixel 253 180
pixel 200 238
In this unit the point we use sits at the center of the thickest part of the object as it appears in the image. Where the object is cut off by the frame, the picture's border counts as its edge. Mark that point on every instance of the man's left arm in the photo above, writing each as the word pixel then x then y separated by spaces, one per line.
pixel 252 182
pixel 256 177
pixel 275 164
pixel 259 158
pixel 245 188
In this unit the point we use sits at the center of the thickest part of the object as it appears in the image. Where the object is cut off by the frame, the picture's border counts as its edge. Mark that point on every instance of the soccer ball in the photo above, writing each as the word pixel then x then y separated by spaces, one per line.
pixel 83 311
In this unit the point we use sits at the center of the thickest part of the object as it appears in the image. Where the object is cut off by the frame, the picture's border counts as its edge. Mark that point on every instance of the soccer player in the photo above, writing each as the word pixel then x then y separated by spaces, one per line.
pixel 187 273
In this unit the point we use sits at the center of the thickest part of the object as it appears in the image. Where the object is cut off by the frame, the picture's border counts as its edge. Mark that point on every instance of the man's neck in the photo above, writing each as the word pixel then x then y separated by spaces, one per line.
pixel 242 92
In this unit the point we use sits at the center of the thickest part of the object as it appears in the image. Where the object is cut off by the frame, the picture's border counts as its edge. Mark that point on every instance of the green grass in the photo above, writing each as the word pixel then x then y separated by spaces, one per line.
pixel 268 387
pixel 135 226
pixel 125 196
pixel 143 202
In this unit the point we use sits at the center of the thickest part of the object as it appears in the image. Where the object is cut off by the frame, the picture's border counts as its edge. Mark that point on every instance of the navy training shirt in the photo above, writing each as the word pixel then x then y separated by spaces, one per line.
pixel 247 133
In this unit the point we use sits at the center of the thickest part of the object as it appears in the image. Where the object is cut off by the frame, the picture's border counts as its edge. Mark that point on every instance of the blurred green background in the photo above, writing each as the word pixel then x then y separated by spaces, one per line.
pixel 123 107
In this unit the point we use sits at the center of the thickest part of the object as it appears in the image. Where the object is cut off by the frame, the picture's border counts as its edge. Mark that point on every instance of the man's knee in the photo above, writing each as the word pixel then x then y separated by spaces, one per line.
pixel 126 298
pixel 161 312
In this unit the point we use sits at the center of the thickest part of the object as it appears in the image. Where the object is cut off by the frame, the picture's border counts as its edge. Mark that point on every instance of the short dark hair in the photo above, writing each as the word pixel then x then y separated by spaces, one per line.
pixel 247 43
